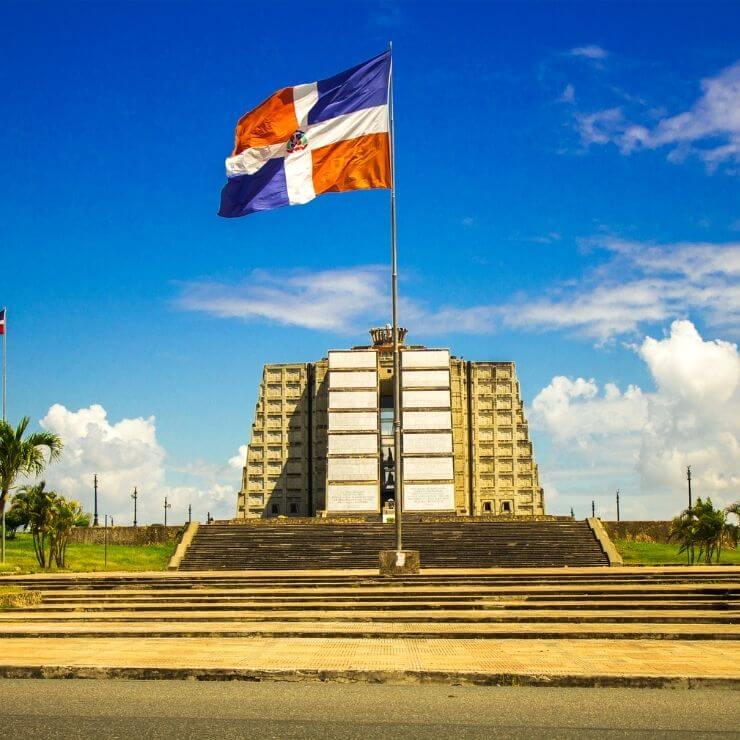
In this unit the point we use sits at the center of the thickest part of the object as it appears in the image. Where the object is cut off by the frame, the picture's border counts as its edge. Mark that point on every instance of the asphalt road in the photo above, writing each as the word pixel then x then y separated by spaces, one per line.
pixel 188 709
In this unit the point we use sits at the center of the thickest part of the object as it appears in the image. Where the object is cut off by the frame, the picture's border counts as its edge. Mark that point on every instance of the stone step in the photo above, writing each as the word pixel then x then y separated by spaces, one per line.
pixel 326 613
pixel 595 594
pixel 610 581
pixel 264 605
pixel 421 630
pixel 444 544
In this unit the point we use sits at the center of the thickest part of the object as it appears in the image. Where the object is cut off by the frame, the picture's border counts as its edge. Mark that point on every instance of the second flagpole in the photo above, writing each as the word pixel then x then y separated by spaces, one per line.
pixel 397 466
pixel 5 401
pixel 5 363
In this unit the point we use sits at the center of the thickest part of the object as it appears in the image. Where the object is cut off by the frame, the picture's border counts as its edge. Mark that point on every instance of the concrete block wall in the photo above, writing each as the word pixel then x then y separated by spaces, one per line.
pixel 656 531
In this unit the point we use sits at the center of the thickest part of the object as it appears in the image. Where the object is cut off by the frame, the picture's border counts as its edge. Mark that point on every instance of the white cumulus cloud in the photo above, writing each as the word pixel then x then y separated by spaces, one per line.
pixel 642 283
pixel 709 129
pixel 600 439
pixel 126 454
pixel 330 300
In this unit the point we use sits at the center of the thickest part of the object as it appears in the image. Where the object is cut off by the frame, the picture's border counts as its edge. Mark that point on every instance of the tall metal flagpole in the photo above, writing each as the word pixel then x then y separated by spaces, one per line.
pixel 5 362
pixel 397 472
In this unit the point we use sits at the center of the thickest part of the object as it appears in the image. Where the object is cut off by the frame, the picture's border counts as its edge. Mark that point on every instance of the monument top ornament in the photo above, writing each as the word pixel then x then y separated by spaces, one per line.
pixel 383 336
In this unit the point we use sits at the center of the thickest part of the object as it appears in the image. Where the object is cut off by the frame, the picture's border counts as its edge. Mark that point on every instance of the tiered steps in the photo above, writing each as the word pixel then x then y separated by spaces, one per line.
pixel 449 544
pixel 581 603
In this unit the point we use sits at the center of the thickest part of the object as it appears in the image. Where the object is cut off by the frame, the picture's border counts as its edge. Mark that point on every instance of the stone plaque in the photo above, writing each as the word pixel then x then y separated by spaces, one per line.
pixel 427 420
pixel 425 358
pixel 359 379
pixel 341 497
pixel 353 400
pixel 426 399
pixel 352 359
pixel 421 442
pixel 353 444
pixel 353 421
pixel 429 497
pixel 426 378
pixel 352 468
pixel 428 468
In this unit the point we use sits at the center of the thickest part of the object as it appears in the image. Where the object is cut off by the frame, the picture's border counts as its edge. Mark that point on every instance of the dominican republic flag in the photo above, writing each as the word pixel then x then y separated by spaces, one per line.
pixel 321 137
pixel 2 321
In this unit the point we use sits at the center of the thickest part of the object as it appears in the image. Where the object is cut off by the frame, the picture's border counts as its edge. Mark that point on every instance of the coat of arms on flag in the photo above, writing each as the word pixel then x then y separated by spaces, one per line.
pixel 320 137
pixel 2 321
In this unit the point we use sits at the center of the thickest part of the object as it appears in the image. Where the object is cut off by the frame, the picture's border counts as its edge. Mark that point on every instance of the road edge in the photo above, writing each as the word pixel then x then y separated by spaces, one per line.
pixel 369 676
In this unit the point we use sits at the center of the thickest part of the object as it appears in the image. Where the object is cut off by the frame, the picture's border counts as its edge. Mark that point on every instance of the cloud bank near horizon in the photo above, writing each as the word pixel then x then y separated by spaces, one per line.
pixel 639 284
pixel 601 438
pixel 127 454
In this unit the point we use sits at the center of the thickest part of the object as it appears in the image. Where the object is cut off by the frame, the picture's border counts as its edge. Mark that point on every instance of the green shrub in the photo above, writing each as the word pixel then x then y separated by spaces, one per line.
pixel 15 597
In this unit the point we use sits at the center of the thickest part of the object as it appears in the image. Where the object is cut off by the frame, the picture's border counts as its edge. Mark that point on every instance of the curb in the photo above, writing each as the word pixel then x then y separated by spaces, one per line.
pixel 368 676
pixel 369 634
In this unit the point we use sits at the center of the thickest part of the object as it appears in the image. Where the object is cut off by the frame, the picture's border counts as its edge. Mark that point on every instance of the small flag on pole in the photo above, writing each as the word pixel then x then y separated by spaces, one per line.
pixel 2 321
pixel 306 140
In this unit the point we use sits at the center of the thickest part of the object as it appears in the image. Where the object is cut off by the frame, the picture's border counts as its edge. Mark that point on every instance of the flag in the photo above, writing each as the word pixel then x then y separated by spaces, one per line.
pixel 306 140
pixel 2 321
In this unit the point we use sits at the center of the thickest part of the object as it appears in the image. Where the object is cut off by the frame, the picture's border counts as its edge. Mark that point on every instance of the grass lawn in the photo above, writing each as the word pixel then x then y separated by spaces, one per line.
pixel 19 557
pixel 655 553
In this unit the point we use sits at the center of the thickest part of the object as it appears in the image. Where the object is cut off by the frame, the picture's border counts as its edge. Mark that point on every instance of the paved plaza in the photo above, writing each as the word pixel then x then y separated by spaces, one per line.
pixel 673 627
pixel 556 662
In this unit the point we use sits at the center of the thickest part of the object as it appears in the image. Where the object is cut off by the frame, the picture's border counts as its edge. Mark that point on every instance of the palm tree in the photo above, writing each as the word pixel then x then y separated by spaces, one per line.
pixel 734 529
pixel 23 455
pixel 51 518
pixel 65 515
pixel 36 505
pixel 703 527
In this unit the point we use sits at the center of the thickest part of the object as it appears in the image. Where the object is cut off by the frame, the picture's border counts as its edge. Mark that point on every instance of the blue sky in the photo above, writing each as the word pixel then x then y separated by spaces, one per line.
pixel 567 186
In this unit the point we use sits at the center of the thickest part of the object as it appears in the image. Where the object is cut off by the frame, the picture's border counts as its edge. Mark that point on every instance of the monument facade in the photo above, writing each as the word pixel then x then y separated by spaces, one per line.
pixel 322 436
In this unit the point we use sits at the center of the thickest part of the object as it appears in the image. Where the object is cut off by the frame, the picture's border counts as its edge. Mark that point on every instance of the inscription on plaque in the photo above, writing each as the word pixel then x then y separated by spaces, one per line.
pixel 352 359
pixel 429 496
pixel 352 468
pixel 427 442
pixel 426 399
pixel 351 421
pixel 425 358
pixel 427 420
pixel 428 468
pixel 352 497
pixel 353 400
pixel 349 444
pixel 426 379
pixel 359 379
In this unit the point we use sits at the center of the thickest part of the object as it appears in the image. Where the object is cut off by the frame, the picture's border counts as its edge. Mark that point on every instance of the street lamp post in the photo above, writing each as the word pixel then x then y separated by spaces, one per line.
pixel 190 513
pixel 135 497
pixel 96 523
pixel 593 509
pixel 617 504
pixel 166 506
pixel 688 478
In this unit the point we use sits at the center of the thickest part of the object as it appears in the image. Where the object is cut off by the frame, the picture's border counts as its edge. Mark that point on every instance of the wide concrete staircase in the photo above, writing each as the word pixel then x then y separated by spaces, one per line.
pixel 448 544
pixel 623 603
